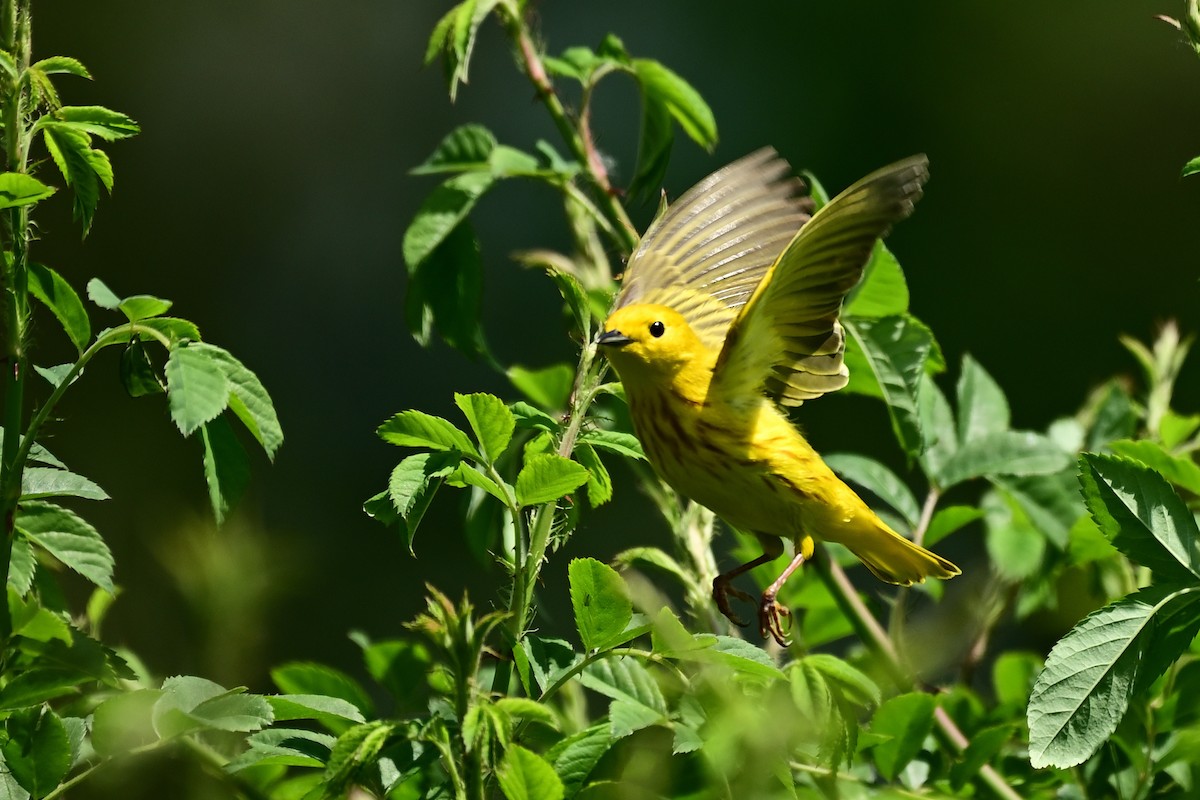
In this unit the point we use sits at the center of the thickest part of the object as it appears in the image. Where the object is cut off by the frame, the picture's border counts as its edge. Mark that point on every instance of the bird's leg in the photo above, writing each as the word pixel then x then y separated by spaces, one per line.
pixel 770 611
pixel 722 584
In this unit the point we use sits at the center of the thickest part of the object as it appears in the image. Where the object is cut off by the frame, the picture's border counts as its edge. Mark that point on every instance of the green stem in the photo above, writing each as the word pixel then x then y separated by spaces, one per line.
pixel 581 147
pixel 873 634
pixel 584 663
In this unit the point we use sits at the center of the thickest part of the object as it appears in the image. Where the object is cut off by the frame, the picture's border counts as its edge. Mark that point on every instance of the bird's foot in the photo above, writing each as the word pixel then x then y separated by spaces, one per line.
pixel 771 614
pixel 722 589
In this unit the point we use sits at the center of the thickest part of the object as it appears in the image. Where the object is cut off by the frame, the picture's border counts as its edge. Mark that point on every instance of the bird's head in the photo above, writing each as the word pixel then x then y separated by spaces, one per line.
pixel 651 341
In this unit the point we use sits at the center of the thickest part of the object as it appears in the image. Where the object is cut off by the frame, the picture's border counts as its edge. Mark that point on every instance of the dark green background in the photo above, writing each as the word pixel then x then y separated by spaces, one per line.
pixel 268 196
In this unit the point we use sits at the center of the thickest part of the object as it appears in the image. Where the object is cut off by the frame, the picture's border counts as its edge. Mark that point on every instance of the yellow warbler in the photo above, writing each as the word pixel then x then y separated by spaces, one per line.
pixel 729 309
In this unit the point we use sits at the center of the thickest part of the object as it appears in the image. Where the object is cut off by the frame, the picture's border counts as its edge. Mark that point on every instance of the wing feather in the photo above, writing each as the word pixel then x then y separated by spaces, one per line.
pixel 707 253
pixel 786 341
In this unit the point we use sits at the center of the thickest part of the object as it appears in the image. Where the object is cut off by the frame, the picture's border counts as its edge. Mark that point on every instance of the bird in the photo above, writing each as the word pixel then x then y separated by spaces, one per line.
pixel 727 316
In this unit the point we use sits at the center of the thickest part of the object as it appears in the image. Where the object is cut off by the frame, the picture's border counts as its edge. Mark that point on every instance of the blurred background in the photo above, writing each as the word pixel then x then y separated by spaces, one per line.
pixel 268 195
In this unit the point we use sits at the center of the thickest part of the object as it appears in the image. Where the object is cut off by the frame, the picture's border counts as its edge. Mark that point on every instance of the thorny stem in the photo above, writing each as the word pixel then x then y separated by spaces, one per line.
pixel 876 637
pixel 578 140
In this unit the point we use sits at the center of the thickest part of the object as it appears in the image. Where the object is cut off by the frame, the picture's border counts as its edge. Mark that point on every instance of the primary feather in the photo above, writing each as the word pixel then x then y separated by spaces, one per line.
pixel 729 310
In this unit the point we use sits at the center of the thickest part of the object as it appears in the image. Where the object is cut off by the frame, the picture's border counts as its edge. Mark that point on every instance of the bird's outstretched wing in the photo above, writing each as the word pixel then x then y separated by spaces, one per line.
pixel 787 341
pixel 708 251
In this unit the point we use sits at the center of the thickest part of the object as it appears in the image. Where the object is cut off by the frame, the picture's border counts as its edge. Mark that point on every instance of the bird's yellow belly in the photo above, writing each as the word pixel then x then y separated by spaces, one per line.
pixel 705 463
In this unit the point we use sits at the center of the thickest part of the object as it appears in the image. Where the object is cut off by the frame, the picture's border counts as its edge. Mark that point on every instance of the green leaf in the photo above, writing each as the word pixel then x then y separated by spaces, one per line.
pixel 418 429
pixel 57 295
pixel 123 722
pixel 98 121
pixel 39 482
pixel 883 291
pixel 19 189
pixel 547 477
pixel 35 686
pixel 624 679
pixel 626 718
pixel 68 538
pixel 445 293
pixel 879 480
pixel 948 520
pixel 300 677
pixel 1113 416
pixel 138 374
pixel 937 428
pixel 852 683
pixel 441 213
pixel 249 400
pixel 413 484
pixel 191 704
pixel 37 752
pixel 1141 515
pixel 532 418
pixel 84 168
pixel 1013 676
pixel 1191 167
pixel 1003 453
pixel 1015 545
pixel 625 444
pixel 197 386
pixel 62 65
pixel 549 387
pixel 575 757
pixel 982 406
pixel 662 87
pixel 31 621
pixel 491 421
pixel 226 467
pixel 325 710
pixel 524 775
pixel 288 747
pixel 599 482
pixel 22 565
pixel 354 751
pixel 907 719
pixel 467 147
pixel 600 600
pixel 99 293
pixel 886 358
pixel 1175 428
pixel 1051 502
pixel 1178 470
pixel 982 749
pixel 143 306
pixel 466 475
pixel 1091 674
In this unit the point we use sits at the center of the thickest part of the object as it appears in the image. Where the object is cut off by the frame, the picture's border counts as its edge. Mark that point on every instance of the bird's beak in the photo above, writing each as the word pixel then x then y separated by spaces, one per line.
pixel 613 339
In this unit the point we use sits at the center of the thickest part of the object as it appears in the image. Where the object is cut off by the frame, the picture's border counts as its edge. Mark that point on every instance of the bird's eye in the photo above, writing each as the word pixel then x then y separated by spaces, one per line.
pixel 657 329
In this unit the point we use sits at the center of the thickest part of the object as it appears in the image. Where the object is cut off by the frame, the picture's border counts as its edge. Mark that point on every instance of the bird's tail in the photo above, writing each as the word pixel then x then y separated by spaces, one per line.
pixel 894 559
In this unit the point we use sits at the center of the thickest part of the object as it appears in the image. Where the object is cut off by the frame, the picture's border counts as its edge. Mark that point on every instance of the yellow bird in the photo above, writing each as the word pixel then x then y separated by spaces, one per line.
pixel 729 310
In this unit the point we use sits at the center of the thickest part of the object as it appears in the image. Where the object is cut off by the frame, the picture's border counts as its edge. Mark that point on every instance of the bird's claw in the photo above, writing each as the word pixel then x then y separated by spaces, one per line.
pixel 722 589
pixel 771 614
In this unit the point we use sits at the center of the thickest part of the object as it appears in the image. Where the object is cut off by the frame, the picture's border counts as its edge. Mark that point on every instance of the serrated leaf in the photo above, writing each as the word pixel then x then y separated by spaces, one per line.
pixel 548 387
pixel 626 717
pixel 70 539
pixel 190 704
pixel 879 480
pixel 418 429
pixel 1181 471
pixel 319 707
pixel 249 400
pixel 287 747
pixel 534 418
pixel 19 189
pixel 1141 515
pixel 138 374
pixel 52 290
pixel 301 677
pixel 99 293
pixel 547 477
pixel 445 293
pixel 441 213
pixel 355 750
pixel 624 679
pixel 599 482
pixel 883 292
pixel 98 121
pixel 22 565
pixel 886 358
pixel 197 386
pixel 524 775
pixel 143 306
pixel 1091 674
pixel 625 444
pixel 667 96
pixel 907 719
pixel 937 428
pixel 1191 167
pixel 226 467
pixel 412 485
pixel 63 65
pixel 38 685
pixel 853 683
pixel 1003 453
pixel 575 757
pixel 491 421
pixel 466 147
pixel 40 482
pixel 37 751
pixel 600 601
pixel 84 168
pixel 982 406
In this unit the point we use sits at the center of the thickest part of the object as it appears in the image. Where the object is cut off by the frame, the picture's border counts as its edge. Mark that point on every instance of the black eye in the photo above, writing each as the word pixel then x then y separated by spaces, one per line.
pixel 657 329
